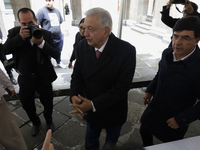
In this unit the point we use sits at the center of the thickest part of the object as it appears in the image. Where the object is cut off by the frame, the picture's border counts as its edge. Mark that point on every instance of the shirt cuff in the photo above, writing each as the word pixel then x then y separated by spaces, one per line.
pixel 42 44
pixel 93 108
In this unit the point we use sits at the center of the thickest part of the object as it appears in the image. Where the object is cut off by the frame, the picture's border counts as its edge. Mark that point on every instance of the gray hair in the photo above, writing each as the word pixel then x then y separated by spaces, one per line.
pixel 104 16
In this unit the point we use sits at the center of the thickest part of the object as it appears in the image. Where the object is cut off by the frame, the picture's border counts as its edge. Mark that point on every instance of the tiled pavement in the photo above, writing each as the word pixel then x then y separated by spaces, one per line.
pixel 70 130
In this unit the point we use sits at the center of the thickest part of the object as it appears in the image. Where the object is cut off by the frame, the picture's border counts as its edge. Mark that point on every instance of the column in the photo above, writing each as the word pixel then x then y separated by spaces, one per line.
pixel 76 11
pixel 16 5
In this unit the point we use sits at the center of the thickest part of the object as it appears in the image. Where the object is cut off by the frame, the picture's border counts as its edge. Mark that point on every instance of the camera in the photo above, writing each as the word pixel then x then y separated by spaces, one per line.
pixel 35 30
pixel 178 1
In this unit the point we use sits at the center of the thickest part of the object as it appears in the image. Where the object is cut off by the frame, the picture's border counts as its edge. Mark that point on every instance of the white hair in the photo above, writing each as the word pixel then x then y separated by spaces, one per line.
pixel 104 16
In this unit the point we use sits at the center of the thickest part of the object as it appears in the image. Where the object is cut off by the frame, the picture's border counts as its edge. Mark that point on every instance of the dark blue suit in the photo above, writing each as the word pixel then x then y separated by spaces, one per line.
pixel 175 89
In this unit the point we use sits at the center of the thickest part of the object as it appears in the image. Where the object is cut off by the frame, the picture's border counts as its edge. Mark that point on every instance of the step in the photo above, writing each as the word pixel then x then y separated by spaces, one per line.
pixel 143 26
pixel 148 23
pixel 140 30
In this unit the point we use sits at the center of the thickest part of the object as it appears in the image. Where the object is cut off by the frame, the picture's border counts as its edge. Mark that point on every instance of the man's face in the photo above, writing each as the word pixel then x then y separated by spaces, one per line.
pixel 49 4
pixel 26 19
pixel 95 34
pixel 183 43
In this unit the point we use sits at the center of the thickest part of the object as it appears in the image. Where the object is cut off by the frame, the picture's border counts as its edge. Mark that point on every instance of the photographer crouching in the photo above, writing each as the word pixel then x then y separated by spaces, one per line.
pixel 32 47
pixel 190 9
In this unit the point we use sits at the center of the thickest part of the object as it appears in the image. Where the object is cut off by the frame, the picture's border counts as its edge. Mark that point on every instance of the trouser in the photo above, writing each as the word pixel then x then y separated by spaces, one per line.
pixel 93 134
pixel 59 47
pixel 28 87
pixel 163 133
pixel 10 135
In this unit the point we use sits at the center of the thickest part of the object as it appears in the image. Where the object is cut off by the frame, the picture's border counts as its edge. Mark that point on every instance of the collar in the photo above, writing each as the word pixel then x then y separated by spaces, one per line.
pixel 174 58
pixel 192 59
pixel 102 47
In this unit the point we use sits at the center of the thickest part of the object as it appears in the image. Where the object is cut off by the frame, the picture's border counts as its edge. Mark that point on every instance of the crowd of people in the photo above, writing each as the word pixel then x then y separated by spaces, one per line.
pixel 101 78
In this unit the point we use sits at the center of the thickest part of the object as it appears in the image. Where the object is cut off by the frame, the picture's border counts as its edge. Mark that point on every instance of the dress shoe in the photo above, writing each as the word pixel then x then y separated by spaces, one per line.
pixel 50 126
pixel 35 130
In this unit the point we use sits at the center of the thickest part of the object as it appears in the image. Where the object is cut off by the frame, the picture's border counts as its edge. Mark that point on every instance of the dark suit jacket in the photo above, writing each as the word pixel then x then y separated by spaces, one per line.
pixel 175 89
pixel 105 81
pixel 23 52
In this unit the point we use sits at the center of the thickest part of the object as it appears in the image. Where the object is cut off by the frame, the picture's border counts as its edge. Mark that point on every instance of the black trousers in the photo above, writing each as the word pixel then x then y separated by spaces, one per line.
pixel 28 86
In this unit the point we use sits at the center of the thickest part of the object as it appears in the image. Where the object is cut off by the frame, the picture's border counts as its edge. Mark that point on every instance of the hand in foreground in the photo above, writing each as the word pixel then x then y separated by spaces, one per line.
pixel 172 123
pixel 83 107
pixel 47 145
pixel 147 98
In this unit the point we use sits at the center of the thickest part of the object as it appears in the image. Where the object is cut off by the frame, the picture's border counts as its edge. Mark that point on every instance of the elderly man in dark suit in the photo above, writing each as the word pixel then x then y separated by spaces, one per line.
pixel 100 84
pixel 36 73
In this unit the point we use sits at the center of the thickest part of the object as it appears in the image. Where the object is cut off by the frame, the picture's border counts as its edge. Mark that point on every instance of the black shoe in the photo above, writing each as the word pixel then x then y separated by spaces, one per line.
pixel 50 126
pixel 35 129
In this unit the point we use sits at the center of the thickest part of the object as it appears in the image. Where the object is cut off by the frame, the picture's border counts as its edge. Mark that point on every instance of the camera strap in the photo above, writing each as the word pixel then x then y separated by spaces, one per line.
pixel 178 9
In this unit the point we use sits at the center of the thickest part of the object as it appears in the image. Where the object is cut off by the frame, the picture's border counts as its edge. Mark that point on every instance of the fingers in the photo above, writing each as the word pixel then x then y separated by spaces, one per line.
pixel 77 108
pixel 76 112
pixel 24 32
pixel 47 140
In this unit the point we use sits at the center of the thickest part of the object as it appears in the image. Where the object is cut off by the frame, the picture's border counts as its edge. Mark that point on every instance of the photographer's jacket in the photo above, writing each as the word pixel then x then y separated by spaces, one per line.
pixel 32 60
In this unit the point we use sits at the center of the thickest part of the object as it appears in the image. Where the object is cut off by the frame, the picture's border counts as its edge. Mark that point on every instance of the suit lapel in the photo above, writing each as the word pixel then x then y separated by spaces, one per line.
pixel 104 59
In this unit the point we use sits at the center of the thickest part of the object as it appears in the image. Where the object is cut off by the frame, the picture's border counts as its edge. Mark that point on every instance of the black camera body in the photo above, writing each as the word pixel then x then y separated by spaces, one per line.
pixel 35 30
pixel 178 2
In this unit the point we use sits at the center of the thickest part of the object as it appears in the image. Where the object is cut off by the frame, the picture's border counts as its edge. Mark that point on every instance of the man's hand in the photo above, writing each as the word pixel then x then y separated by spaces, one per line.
pixel 76 100
pixel 70 65
pixel 24 32
pixel 83 107
pixel 37 41
pixel 172 123
pixel 13 94
pixel 1 41
pixel 188 7
pixel 169 3
pixel 147 98
pixel 47 145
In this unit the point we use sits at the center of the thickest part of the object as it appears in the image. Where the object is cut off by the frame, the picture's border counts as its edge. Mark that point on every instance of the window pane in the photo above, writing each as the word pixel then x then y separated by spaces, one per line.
pixel 7 4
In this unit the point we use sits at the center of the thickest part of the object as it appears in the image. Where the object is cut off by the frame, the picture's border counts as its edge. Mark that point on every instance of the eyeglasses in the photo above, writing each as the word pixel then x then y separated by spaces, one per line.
pixel 184 39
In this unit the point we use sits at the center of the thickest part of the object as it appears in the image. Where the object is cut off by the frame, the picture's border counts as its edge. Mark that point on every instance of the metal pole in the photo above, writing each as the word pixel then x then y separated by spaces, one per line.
pixel 121 14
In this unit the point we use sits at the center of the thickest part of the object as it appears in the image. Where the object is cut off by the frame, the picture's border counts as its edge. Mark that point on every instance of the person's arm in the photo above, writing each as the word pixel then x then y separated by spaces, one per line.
pixel 49 46
pixel 166 18
pixel 7 84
